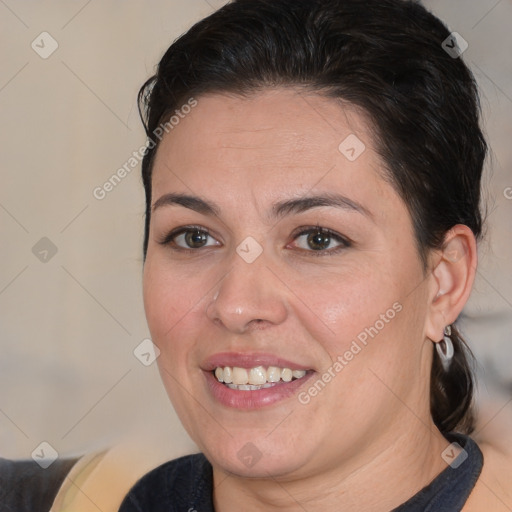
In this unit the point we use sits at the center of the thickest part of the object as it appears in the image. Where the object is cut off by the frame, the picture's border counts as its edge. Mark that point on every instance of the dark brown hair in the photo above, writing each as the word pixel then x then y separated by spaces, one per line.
pixel 387 58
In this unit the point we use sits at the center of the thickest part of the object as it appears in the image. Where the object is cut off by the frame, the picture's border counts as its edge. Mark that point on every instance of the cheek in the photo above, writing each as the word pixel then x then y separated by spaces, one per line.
pixel 159 303
pixel 171 307
pixel 368 317
pixel 346 303
pixel 375 321
pixel 170 300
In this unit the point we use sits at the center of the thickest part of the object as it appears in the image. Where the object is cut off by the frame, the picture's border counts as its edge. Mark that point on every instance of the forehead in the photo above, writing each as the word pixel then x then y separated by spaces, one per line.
pixel 270 143
pixel 283 118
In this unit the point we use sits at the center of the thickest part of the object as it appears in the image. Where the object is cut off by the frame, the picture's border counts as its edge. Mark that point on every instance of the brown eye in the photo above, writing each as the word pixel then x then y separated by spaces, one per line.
pixel 188 238
pixel 318 241
pixel 195 239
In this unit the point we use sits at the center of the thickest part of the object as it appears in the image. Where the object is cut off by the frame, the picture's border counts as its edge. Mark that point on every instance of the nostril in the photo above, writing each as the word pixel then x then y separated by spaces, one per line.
pixel 257 323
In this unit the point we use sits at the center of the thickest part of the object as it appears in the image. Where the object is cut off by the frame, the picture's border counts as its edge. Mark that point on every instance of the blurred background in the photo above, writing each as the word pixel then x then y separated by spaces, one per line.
pixel 71 312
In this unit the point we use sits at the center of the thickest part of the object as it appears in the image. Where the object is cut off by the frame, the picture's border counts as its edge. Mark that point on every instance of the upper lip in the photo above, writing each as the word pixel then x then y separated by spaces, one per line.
pixel 249 360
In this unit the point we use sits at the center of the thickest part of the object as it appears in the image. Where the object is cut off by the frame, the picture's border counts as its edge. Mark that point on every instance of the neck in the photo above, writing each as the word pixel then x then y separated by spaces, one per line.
pixel 384 477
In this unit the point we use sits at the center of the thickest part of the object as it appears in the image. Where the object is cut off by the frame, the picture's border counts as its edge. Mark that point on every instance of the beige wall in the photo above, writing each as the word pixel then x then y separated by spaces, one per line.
pixel 68 326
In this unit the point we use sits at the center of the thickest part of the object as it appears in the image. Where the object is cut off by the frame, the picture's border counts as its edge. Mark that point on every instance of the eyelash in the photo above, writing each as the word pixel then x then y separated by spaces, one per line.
pixel 306 230
pixel 168 240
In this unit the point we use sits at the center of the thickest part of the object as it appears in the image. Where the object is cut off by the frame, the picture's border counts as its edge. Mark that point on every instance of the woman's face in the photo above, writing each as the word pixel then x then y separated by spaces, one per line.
pixel 276 245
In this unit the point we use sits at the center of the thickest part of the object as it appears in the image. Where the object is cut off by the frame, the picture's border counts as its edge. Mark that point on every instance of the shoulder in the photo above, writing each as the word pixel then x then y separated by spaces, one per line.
pixel 493 490
pixel 175 483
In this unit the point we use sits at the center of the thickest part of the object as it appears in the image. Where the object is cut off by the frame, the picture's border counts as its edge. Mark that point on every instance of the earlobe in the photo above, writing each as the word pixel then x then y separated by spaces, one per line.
pixel 452 279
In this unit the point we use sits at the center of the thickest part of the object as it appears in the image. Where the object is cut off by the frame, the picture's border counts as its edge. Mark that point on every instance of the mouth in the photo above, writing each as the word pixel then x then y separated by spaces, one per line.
pixel 256 378
pixel 250 381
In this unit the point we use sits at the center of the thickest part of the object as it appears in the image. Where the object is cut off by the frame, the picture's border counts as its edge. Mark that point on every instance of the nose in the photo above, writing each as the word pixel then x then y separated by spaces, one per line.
pixel 249 297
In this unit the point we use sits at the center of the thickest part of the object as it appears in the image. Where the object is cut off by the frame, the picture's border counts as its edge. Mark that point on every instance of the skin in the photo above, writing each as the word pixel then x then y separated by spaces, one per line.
pixel 371 425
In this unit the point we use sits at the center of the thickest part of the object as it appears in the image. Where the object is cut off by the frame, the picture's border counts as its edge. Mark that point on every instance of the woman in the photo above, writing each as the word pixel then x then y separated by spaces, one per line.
pixel 313 186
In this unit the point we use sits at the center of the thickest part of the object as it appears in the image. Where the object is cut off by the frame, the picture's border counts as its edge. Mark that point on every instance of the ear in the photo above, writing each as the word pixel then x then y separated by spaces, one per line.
pixel 451 278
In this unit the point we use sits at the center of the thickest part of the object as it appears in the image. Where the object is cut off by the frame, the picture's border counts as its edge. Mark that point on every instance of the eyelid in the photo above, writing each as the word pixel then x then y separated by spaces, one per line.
pixel 169 238
pixel 304 230
pixel 344 242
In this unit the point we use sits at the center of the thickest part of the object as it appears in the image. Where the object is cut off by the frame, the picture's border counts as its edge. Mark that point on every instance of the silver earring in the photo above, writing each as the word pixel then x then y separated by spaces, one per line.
pixel 445 349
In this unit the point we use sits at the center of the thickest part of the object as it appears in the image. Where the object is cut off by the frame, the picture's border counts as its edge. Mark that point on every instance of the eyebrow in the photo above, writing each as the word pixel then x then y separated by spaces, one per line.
pixel 191 202
pixel 279 210
pixel 307 203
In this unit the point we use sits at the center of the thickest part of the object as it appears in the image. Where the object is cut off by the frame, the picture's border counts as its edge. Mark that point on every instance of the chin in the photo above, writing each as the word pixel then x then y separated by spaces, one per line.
pixel 252 457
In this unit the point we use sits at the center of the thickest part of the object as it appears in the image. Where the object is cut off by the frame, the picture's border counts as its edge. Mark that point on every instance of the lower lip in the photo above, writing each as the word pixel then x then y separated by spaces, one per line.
pixel 253 399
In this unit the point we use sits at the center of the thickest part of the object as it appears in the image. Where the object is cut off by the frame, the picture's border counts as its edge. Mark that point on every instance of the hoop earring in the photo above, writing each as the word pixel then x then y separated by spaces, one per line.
pixel 445 349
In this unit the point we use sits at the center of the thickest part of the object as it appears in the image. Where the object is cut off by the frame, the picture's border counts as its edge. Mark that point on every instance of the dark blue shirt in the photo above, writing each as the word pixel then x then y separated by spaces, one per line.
pixel 186 485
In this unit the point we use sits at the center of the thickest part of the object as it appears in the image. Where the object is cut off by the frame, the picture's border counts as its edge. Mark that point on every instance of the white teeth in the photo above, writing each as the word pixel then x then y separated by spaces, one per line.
pixel 249 387
pixel 286 374
pixel 240 376
pixel 228 375
pixel 273 374
pixel 255 378
pixel 258 375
